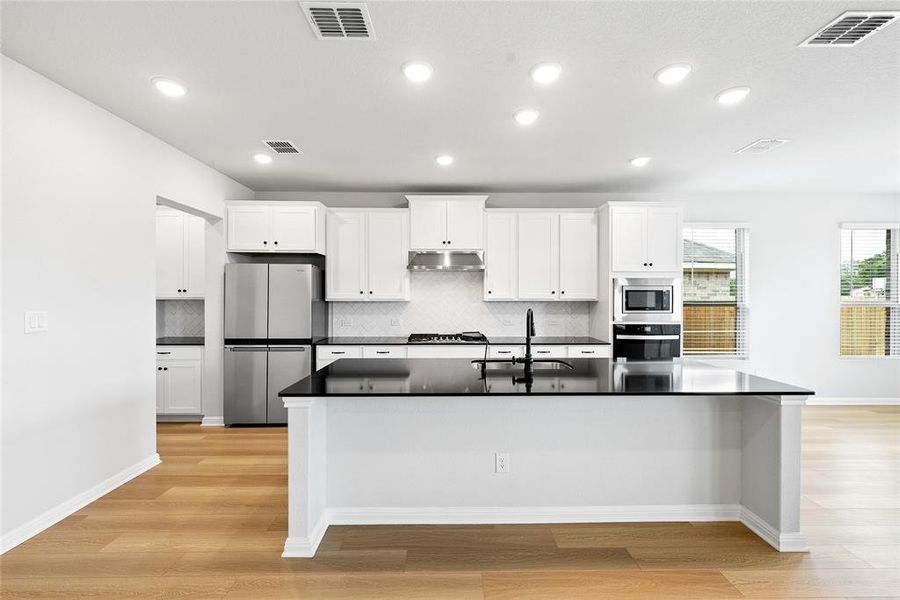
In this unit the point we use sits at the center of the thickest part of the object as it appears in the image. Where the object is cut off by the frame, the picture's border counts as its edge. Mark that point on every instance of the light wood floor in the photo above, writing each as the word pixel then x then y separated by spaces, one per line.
pixel 210 523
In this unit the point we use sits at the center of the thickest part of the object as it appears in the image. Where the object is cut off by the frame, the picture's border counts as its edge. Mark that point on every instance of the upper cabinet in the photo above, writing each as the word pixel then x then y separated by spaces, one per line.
pixel 180 244
pixel 541 255
pixel 367 255
pixel 446 222
pixel 645 238
pixel 275 227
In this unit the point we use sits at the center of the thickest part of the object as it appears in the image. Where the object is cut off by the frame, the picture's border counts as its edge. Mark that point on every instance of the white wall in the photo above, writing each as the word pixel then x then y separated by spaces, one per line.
pixel 78 240
pixel 794 274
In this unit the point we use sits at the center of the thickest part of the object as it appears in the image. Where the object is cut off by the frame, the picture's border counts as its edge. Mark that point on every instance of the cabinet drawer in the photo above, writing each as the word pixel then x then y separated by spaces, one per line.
pixel 549 351
pixel 384 352
pixel 336 352
pixel 505 351
pixel 589 351
pixel 461 351
pixel 179 352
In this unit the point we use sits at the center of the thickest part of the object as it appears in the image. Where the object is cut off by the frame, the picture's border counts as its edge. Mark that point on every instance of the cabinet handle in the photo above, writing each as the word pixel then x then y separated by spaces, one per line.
pixel 165 368
pixel 553 292
pixel 164 353
pixel 563 292
pixel 382 352
pixel 489 292
pixel 543 352
pixel 159 368
pixel 645 264
pixel 184 290
pixel 336 352
pixel 370 291
pixel 448 242
pixel 276 242
pixel 587 351
pixel 651 264
pixel 504 351
pixel 265 242
pixel 360 291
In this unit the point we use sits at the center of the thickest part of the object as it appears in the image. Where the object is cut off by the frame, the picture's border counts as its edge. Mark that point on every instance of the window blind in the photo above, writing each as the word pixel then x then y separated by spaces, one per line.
pixel 715 290
pixel 870 305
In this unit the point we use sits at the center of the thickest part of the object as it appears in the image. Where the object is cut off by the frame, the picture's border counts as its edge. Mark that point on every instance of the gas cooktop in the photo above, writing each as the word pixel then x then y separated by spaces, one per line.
pixel 466 337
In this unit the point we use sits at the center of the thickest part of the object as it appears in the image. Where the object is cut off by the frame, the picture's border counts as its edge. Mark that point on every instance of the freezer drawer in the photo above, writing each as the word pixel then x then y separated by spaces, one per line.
pixel 287 365
pixel 245 384
pixel 246 301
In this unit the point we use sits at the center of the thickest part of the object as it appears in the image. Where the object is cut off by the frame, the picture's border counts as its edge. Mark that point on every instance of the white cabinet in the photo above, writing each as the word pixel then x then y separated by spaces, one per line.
pixel 578 256
pixel 384 351
pixel 646 238
pixel 275 227
pixel 549 351
pixel 180 242
pixel 367 255
pixel 446 222
pixel 179 374
pixel 500 256
pixel 446 351
pixel 538 256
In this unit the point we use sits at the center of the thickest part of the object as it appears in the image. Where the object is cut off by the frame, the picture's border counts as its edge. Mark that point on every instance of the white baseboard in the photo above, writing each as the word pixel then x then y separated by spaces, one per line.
pixel 783 542
pixel 213 422
pixel 454 515
pixel 61 511
pixel 295 547
pixel 847 401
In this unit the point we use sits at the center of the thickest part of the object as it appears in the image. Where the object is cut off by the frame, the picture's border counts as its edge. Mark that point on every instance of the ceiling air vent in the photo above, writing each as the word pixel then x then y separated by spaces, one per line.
pixel 282 146
pixel 761 145
pixel 339 20
pixel 851 28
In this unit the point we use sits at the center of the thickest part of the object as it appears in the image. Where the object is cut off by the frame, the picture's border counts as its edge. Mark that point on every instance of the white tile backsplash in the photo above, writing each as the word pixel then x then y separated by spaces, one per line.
pixel 453 302
pixel 179 318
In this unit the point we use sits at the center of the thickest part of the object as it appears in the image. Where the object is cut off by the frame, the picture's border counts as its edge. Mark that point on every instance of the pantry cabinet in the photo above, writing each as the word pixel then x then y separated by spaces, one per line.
pixel 367 255
pixel 446 222
pixel 645 238
pixel 275 227
pixel 180 251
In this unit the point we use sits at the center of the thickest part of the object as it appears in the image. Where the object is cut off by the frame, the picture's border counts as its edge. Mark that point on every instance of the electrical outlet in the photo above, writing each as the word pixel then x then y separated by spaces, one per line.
pixel 553 322
pixel 36 321
pixel 395 322
pixel 501 462
pixel 507 323
pixel 346 322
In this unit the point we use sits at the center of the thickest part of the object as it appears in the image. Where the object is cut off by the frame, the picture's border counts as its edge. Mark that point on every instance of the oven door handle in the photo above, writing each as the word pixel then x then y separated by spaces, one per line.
pixel 648 337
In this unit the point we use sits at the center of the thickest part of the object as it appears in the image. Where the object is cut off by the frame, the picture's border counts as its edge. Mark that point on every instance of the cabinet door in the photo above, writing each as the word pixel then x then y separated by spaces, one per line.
pixel 169 254
pixel 293 228
pixel 664 239
pixel 427 225
pixel 182 387
pixel 194 256
pixel 538 256
pixel 388 243
pixel 248 228
pixel 346 272
pixel 577 256
pixel 465 225
pixel 160 389
pixel 628 235
pixel 500 254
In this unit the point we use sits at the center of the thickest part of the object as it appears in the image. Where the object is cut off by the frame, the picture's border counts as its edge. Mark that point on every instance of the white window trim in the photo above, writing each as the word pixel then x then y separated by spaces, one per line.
pixel 848 225
pixel 746 340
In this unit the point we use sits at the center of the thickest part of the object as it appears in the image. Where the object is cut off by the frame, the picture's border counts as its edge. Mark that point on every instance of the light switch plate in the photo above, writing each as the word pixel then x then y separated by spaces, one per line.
pixel 36 321
pixel 395 322
pixel 346 322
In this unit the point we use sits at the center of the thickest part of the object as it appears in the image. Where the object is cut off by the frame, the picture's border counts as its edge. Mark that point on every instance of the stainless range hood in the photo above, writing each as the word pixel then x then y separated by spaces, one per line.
pixel 449 260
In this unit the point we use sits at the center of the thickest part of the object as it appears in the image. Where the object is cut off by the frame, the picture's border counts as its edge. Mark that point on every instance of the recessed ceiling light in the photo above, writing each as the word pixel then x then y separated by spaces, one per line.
pixel 169 88
pixel 262 158
pixel 417 72
pixel 673 73
pixel 640 161
pixel 545 73
pixel 526 116
pixel 444 160
pixel 732 95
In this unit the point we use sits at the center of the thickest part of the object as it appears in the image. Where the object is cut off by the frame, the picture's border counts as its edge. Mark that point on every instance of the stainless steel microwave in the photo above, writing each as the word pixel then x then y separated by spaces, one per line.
pixel 644 300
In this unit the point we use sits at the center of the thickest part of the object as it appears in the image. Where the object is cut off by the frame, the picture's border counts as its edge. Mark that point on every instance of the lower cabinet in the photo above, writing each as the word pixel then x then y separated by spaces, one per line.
pixel 179 374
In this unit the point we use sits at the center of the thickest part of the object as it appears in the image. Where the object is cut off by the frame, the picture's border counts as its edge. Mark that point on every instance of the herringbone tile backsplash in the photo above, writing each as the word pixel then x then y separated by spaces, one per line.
pixel 453 302
pixel 179 318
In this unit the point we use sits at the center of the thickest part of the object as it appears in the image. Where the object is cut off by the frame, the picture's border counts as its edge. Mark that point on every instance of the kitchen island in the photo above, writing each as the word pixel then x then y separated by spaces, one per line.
pixel 424 441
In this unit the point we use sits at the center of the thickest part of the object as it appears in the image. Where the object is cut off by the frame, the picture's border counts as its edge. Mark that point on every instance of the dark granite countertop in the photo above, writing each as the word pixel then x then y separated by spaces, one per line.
pixel 495 340
pixel 590 377
pixel 179 341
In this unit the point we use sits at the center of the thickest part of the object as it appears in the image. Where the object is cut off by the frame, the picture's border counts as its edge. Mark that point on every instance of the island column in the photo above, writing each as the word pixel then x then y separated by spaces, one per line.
pixel 306 476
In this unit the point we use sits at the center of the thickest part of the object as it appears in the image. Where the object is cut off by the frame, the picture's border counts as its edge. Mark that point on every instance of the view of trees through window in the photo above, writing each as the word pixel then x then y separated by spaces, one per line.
pixel 714 283
pixel 870 308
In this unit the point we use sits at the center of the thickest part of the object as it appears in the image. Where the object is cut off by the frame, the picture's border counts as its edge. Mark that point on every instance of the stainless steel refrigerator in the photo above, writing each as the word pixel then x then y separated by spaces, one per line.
pixel 274 313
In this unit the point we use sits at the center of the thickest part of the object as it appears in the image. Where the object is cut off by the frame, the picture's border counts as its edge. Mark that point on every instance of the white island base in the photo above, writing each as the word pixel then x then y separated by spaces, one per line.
pixel 572 459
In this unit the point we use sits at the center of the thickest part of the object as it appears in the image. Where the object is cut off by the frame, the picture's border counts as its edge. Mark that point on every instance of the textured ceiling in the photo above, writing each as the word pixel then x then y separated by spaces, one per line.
pixel 255 71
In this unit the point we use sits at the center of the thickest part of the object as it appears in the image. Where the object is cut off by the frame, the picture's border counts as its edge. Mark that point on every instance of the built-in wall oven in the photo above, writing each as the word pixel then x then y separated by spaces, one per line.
pixel 645 300
pixel 658 341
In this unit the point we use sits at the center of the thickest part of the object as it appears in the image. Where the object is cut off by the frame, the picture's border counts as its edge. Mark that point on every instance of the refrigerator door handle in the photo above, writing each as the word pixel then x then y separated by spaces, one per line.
pixel 245 348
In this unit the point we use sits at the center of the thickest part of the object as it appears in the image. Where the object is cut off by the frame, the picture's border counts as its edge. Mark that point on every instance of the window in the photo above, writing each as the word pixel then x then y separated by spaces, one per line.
pixel 870 306
pixel 715 290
